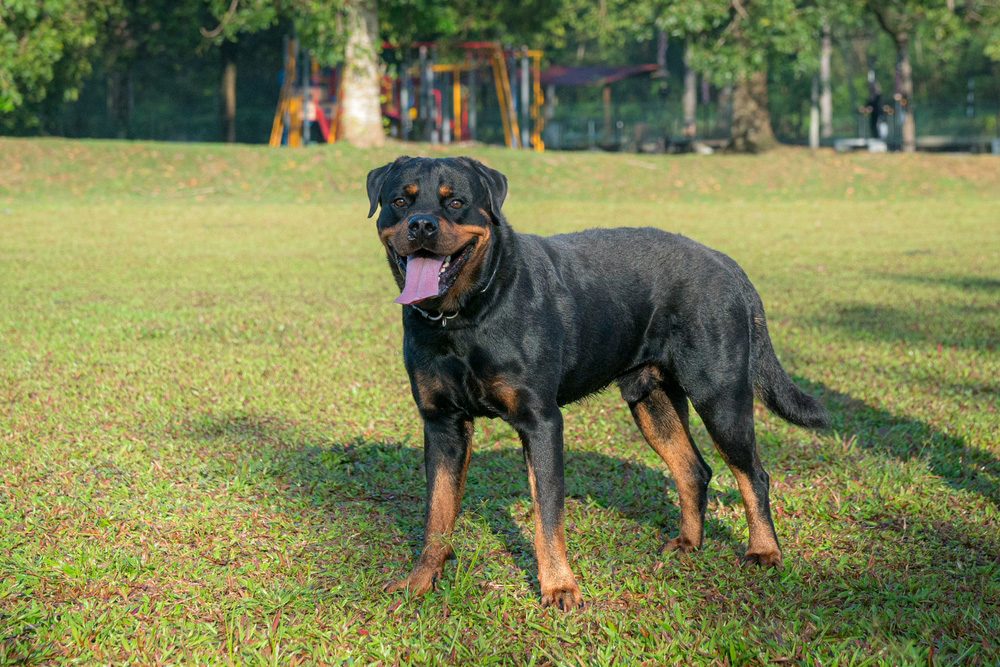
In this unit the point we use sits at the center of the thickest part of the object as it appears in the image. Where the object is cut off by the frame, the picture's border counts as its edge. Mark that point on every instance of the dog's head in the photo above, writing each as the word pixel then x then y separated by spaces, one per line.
pixel 439 222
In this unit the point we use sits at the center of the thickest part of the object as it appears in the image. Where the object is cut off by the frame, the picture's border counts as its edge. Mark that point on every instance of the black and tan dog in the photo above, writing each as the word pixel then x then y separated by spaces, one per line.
pixel 501 324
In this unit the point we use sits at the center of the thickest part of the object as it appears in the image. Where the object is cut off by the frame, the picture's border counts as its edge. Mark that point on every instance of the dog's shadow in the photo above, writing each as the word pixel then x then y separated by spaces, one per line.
pixel 385 481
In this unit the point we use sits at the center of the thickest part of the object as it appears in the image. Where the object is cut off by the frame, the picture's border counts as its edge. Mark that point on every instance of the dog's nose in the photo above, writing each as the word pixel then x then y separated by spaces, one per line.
pixel 422 227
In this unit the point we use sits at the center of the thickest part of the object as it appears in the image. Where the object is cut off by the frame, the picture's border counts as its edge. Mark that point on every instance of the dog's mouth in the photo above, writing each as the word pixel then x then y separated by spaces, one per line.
pixel 427 275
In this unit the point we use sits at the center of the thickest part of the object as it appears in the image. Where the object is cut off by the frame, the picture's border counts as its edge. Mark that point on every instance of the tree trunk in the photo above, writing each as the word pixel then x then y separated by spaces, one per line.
pixel 899 31
pixel 228 89
pixel 661 53
pixel 751 129
pixel 906 92
pixel 852 95
pixel 689 100
pixel 118 103
pixel 724 115
pixel 814 114
pixel 826 93
pixel 361 116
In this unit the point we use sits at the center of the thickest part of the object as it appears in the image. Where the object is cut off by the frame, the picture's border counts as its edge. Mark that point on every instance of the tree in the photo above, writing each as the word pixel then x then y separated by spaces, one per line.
pixel 361 122
pixel 233 19
pixel 735 41
pixel 333 31
pixel 136 30
pixel 825 93
pixel 45 53
pixel 900 20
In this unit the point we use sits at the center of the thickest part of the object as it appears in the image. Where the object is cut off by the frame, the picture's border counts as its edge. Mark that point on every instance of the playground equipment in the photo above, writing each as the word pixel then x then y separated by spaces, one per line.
pixel 421 89
pixel 436 102
pixel 310 102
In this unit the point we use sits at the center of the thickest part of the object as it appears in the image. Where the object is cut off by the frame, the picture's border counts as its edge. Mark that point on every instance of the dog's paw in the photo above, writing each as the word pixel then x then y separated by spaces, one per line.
pixel 563 598
pixel 681 544
pixel 421 580
pixel 764 559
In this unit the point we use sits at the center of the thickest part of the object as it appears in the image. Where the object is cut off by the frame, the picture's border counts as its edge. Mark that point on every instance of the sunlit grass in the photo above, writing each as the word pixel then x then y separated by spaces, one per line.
pixel 209 454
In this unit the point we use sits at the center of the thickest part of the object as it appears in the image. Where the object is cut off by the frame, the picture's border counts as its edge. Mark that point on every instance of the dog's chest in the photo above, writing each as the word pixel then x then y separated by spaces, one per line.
pixel 473 384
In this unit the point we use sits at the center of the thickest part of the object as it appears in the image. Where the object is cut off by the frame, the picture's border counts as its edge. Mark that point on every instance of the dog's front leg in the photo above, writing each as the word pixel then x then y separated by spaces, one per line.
pixel 446 459
pixel 543 454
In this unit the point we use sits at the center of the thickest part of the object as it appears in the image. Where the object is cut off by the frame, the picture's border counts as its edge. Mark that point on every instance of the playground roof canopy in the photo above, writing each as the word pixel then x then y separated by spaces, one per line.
pixel 592 75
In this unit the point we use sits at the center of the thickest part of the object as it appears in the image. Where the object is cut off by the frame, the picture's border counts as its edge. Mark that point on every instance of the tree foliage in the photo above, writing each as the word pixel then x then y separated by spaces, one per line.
pixel 444 21
pixel 45 49
pixel 319 25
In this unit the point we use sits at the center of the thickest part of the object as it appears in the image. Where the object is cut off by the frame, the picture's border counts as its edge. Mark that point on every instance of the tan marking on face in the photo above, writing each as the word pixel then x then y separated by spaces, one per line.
pixel 451 237
pixel 410 190
pixel 445 191
pixel 669 437
pixel 450 301
pixel 386 235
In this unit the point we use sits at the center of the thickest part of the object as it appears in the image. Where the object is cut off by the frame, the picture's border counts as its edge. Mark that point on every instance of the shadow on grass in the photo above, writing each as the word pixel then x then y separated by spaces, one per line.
pixel 388 478
pixel 969 283
pixel 960 325
pixel 958 464
pixel 967 321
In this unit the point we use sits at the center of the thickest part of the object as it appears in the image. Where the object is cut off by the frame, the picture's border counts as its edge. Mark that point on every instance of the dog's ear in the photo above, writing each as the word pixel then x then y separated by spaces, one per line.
pixel 495 184
pixel 376 177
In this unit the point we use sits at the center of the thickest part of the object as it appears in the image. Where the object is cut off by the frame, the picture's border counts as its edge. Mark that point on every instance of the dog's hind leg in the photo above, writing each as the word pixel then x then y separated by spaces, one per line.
pixel 728 416
pixel 663 420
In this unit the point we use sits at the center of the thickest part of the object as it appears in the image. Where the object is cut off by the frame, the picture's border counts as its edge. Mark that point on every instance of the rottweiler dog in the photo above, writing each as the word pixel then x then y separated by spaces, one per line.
pixel 509 325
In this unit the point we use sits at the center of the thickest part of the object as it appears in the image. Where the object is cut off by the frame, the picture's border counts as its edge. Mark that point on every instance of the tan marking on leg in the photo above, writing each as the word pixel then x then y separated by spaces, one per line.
pixel 670 438
pixel 651 375
pixel 445 499
pixel 427 387
pixel 503 392
pixel 555 577
pixel 763 548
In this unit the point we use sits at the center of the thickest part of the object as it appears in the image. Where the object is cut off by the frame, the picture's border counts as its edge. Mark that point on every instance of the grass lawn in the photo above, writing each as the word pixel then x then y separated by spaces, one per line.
pixel 209 453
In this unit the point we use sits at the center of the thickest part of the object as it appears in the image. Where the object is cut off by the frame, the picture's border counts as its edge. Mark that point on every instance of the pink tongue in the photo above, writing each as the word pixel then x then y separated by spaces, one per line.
pixel 421 279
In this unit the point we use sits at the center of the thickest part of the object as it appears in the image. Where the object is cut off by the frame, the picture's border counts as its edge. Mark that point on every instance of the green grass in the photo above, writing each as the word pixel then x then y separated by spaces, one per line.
pixel 209 454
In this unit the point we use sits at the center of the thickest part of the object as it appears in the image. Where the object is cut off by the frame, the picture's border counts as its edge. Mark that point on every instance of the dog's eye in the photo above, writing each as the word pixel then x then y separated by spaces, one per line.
pixel 399 202
pixel 455 203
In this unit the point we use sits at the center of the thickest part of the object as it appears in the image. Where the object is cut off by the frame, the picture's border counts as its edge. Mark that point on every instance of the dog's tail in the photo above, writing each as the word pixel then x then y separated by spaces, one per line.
pixel 771 383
